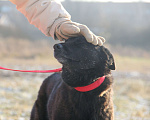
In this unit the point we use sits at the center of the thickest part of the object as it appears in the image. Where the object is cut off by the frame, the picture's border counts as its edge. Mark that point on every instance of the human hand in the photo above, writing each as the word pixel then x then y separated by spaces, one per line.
pixel 69 29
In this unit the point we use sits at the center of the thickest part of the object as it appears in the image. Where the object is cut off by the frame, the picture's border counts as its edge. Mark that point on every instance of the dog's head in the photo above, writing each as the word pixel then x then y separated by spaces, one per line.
pixel 82 60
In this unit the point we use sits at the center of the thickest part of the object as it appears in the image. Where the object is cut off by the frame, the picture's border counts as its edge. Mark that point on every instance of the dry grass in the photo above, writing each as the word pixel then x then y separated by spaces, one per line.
pixel 24 53
pixel 24 49
pixel 18 95
pixel 125 63
pixel 131 98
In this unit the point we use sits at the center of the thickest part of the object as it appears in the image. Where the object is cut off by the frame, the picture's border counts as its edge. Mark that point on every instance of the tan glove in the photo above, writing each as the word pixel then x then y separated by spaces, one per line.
pixel 68 29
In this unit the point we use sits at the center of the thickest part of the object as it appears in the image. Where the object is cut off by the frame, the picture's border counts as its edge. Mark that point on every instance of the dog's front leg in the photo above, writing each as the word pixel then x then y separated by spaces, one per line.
pixel 39 110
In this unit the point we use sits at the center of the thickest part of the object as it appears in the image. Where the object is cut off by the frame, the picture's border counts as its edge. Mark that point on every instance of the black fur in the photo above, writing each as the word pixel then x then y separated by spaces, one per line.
pixel 82 63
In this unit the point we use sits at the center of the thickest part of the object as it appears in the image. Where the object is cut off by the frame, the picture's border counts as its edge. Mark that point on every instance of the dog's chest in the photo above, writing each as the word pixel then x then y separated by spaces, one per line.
pixel 67 104
pixel 73 106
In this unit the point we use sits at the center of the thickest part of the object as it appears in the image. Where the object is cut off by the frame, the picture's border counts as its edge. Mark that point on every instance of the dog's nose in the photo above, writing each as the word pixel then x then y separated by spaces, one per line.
pixel 58 46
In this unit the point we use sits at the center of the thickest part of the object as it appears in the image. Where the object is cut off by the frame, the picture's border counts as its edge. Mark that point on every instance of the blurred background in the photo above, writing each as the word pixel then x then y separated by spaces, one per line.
pixel 124 23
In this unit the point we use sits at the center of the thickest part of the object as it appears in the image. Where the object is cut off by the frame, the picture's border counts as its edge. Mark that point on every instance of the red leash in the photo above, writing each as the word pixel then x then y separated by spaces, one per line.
pixel 34 71
pixel 81 89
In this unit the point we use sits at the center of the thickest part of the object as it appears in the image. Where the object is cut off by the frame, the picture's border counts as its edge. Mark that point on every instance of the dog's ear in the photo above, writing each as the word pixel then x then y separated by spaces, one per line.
pixel 110 58
pixel 111 62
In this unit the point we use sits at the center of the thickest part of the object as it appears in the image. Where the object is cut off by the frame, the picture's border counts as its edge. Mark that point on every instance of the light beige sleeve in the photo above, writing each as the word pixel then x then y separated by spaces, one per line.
pixel 44 14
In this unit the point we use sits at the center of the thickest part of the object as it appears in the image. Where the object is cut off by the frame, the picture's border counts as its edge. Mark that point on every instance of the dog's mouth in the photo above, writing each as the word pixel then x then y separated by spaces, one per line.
pixel 64 59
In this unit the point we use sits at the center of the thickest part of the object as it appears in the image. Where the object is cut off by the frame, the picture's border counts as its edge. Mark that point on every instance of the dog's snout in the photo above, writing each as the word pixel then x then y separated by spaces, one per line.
pixel 58 46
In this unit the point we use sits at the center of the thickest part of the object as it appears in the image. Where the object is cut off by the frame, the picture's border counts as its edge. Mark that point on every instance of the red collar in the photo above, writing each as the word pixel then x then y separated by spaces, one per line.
pixel 92 86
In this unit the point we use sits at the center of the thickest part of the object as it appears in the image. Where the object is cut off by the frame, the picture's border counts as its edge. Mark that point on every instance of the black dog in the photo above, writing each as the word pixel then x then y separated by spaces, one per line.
pixel 82 91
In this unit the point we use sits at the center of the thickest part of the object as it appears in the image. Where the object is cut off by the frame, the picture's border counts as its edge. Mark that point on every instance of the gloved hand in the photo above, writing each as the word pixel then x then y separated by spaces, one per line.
pixel 67 29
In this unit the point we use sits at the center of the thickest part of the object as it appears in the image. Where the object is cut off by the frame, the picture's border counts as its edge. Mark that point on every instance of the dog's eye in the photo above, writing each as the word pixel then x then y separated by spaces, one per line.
pixel 82 46
pixel 79 43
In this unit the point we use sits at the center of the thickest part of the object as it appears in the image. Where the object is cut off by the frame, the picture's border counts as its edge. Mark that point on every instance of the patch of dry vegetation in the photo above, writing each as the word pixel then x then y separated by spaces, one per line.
pixel 26 53
pixel 23 48
pixel 126 63
pixel 131 98
pixel 17 97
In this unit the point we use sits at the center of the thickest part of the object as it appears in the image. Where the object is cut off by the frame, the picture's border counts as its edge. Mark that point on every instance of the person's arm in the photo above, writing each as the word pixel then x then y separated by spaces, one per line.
pixel 53 20
pixel 42 13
